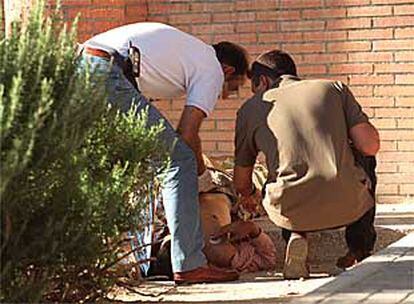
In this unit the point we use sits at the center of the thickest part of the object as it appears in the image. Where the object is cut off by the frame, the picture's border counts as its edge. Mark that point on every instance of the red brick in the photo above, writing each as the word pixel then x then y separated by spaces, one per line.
pixel 404 101
pixel 225 147
pixel 397 178
pixel 346 2
pixel 407 189
pixel 406 167
pixel 209 146
pixel 394 90
pixel 391 1
pixel 300 3
pixel 349 68
pixel 349 46
pixel 404 56
pixel 248 5
pixel 387 145
pixel 393 21
pixel 383 167
pixel 212 6
pixel 213 28
pixel 190 18
pixel 371 79
pixel 302 26
pixel 387 189
pixel 389 199
pixel 395 44
pixel 226 125
pixel 370 57
pixel 354 23
pixel 323 13
pixel 397 135
pixel 405 79
pixel 385 123
pixel 278 15
pixel 369 11
pixel 404 32
pixel 324 36
pixel 394 112
pixel 234 17
pixel 375 101
pixel 324 58
pixel 394 67
pixel 256 27
pixel 208 125
pixel 298 48
pixel 279 37
pixel 396 156
pixel 224 114
pixel 156 8
pixel 406 146
pixel 404 9
pixel 370 34
pixel 406 123
pixel 217 135
pixel 312 69
pixel 362 91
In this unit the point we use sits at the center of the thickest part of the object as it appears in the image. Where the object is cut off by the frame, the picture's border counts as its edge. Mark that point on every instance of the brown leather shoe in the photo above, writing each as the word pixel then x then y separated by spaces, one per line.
pixel 205 274
pixel 350 259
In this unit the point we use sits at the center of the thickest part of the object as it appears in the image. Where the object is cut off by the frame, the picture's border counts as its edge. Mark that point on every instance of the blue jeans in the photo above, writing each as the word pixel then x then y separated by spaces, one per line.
pixel 180 183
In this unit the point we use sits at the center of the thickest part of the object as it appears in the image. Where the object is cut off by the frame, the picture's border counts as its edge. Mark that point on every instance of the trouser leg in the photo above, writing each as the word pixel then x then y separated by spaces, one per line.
pixel 361 235
pixel 179 182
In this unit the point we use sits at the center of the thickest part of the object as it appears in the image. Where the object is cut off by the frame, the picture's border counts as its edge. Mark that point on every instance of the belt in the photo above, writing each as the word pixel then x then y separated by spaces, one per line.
pixel 97 52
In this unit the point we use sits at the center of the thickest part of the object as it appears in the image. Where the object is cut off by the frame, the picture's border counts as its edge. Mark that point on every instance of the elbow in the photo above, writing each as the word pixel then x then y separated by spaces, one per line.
pixel 371 148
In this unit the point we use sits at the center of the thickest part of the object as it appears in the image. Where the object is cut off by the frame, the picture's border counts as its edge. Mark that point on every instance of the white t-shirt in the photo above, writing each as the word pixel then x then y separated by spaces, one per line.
pixel 173 63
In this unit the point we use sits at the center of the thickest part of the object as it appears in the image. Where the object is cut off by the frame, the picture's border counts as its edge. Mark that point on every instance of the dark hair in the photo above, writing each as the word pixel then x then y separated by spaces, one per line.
pixel 273 64
pixel 233 55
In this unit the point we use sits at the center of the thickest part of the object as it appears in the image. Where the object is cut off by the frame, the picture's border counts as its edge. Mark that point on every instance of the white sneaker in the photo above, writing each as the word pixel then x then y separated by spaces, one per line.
pixel 295 261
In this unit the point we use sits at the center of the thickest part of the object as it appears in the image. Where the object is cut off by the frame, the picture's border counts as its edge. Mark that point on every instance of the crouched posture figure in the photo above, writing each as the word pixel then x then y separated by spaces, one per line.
pixel 306 129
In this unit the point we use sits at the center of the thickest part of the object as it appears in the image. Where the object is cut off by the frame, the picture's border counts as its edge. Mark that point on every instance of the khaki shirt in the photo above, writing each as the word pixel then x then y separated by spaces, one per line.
pixel 302 128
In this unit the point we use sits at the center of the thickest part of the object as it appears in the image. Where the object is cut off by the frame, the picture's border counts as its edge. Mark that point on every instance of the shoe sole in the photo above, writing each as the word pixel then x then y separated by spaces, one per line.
pixel 295 261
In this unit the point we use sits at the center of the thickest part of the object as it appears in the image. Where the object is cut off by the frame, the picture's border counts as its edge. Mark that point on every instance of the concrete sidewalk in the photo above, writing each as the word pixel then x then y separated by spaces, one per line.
pixel 386 277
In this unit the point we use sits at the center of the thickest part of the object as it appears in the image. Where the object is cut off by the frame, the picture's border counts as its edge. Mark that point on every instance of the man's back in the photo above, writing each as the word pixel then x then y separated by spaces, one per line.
pixel 173 63
pixel 302 128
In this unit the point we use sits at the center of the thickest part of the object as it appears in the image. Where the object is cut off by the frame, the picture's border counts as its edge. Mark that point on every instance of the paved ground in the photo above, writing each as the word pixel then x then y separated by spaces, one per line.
pixel 386 277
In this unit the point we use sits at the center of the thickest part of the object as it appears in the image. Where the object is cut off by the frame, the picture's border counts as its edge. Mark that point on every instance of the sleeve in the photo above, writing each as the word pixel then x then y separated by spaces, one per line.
pixel 204 87
pixel 245 151
pixel 352 109
pixel 254 255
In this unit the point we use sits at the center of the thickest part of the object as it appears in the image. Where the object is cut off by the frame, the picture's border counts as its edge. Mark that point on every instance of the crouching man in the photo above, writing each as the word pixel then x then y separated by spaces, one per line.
pixel 306 129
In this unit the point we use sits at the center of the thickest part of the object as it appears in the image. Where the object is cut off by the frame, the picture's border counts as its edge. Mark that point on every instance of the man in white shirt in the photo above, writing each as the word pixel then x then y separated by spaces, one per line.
pixel 174 63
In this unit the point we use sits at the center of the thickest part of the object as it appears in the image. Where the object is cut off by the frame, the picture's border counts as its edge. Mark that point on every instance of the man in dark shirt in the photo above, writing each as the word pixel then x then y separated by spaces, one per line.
pixel 306 129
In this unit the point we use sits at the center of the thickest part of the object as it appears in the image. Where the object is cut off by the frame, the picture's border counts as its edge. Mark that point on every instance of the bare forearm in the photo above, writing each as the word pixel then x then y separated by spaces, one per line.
pixel 243 180
pixel 194 142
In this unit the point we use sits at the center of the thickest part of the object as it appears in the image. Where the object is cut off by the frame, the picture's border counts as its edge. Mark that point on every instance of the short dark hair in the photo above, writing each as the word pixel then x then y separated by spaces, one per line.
pixel 233 55
pixel 274 64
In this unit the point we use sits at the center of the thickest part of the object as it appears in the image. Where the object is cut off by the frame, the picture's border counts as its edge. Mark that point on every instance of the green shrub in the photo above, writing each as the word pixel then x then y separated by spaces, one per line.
pixel 69 166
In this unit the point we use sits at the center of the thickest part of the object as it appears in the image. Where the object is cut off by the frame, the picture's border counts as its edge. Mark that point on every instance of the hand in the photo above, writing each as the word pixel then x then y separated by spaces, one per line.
pixel 251 202
pixel 238 231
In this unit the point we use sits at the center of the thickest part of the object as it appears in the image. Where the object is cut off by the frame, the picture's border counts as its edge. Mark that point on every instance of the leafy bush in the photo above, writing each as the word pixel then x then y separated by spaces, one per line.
pixel 69 166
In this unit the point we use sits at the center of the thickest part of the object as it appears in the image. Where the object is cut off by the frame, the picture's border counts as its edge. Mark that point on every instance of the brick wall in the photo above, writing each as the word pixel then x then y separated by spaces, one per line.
pixel 368 44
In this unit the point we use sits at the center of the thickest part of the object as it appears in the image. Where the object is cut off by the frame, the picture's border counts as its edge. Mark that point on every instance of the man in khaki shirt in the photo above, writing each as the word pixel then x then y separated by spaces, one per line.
pixel 306 129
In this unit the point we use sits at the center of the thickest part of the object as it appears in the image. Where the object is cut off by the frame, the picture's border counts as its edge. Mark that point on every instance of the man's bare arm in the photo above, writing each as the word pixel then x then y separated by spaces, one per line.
pixel 243 180
pixel 188 128
pixel 365 138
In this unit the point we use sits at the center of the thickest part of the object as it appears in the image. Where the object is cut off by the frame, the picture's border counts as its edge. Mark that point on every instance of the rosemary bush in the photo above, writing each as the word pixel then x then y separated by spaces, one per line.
pixel 69 165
